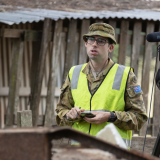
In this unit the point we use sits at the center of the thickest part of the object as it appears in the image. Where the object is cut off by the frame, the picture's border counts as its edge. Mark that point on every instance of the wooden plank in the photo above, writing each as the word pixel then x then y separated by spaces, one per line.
pixel 63 48
pixel 70 51
pixel 2 112
pixel 137 144
pixel 30 51
pixel 26 65
pixel 1 73
pixel 61 60
pixel 25 92
pixel 123 42
pixel 48 61
pixel 75 61
pixel 23 78
pixel 9 50
pixel 15 76
pixel 40 70
pixel 156 110
pixel 53 74
pixel 146 71
pixel 27 35
pixel 34 64
pixel 82 52
pixel 5 68
pixel 11 33
pixel 136 46
pixel 113 24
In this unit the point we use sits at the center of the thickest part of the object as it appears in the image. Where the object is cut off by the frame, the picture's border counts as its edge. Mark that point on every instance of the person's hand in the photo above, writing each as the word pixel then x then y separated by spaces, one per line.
pixel 100 117
pixel 74 113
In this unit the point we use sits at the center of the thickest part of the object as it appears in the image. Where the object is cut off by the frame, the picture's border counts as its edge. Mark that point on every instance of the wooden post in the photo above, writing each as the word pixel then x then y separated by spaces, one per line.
pixel 1 84
pixel 5 68
pixel 123 42
pixel 82 51
pixel 52 75
pixel 61 59
pixel 146 71
pixel 136 46
pixel 156 110
pixel 70 51
pixel 113 24
pixel 39 71
pixel 14 82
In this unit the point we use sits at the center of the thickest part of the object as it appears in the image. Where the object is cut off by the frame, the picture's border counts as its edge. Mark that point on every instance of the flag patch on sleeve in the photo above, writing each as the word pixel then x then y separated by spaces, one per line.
pixel 137 89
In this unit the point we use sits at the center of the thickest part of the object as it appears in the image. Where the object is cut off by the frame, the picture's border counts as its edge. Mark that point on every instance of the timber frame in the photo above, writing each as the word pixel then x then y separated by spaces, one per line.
pixel 56 50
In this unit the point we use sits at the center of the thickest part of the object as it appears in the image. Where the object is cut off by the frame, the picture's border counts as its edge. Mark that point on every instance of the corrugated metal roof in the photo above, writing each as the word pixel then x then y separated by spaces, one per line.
pixel 35 15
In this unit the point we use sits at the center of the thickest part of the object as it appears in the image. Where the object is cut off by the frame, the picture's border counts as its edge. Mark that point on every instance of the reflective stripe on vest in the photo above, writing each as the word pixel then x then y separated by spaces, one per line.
pixel 127 142
pixel 75 76
pixel 73 141
pixel 118 77
pixel 116 83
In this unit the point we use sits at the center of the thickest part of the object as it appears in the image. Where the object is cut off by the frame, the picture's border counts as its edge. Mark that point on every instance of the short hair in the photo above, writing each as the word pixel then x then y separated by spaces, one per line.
pixel 110 41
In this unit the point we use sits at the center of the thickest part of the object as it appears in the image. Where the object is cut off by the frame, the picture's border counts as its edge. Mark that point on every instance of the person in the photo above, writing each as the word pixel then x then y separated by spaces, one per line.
pixel 105 88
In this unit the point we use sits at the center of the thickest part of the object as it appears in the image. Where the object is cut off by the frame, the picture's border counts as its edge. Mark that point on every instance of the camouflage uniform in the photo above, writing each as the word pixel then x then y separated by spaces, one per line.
pixel 134 115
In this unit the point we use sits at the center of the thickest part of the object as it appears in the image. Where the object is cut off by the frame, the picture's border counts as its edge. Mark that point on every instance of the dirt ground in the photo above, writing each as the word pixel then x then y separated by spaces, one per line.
pixel 94 5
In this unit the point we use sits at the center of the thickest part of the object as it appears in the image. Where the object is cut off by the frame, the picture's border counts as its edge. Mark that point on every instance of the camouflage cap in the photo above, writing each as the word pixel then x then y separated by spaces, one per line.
pixel 101 29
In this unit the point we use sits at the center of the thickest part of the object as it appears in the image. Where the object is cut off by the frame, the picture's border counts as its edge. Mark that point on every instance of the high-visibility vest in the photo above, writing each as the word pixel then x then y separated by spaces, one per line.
pixel 108 97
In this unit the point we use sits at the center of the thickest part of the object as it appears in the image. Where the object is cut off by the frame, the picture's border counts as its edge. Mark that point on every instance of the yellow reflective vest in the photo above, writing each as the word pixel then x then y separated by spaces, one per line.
pixel 108 97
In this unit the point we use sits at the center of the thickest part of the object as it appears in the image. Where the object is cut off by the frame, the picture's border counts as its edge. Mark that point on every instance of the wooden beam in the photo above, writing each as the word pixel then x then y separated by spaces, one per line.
pixel 82 52
pixel 14 82
pixel 146 71
pixel 11 33
pixel 25 91
pixel 70 51
pixel 26 35
pixel 136 46
pixel 53 74
pixel 40 70
pixel 123 42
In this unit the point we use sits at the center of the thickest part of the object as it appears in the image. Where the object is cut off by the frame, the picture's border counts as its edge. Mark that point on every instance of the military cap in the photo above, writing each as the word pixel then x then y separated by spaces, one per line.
pixel 101 29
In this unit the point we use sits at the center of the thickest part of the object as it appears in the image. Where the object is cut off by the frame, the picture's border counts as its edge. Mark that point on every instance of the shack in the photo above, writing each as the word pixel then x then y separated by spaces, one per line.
pixel 48 42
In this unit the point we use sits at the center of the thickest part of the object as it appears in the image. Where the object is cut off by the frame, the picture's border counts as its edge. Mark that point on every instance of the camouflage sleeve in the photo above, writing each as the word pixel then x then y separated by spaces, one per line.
pixel 134 115
pixel 65 103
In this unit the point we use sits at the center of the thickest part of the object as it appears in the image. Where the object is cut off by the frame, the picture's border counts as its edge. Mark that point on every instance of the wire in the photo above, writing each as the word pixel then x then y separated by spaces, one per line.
pixel 151 96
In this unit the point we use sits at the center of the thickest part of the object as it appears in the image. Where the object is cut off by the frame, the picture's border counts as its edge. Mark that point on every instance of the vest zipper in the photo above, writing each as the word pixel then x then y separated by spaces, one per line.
pixel 90 110
pixel 95 92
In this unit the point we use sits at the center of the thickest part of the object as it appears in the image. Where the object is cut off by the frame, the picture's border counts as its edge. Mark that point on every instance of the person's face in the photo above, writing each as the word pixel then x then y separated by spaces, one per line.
pixel 97 52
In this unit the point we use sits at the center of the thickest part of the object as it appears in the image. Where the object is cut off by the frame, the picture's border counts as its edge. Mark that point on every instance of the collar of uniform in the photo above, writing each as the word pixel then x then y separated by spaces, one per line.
pixel 89 74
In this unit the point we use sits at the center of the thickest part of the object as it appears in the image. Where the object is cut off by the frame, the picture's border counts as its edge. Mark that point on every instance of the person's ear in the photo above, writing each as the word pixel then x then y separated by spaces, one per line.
pixel 111 47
